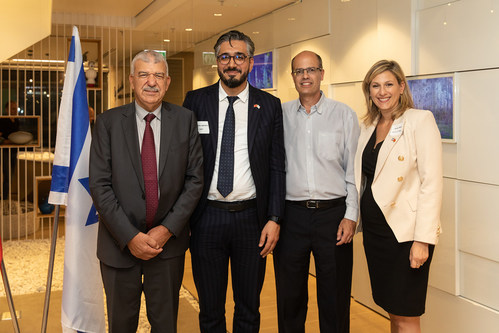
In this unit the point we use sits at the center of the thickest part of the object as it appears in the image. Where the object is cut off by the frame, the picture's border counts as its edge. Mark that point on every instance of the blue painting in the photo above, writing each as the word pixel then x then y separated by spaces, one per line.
pixel 436 95
pixel 261 75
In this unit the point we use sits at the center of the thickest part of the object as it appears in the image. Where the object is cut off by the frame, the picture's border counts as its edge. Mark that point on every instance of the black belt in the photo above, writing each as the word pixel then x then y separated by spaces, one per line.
pixel 233 206
pixel 317 204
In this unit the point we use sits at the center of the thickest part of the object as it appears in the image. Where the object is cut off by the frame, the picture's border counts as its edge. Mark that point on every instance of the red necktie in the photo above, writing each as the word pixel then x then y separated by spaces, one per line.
pixel 150 171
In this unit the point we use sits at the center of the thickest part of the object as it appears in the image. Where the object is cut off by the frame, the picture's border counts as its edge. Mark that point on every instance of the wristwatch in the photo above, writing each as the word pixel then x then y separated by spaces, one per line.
pixel 276 219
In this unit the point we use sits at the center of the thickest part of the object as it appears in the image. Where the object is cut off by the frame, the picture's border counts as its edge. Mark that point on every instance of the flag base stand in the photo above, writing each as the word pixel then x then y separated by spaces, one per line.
pixel 50 270
pixel 10 301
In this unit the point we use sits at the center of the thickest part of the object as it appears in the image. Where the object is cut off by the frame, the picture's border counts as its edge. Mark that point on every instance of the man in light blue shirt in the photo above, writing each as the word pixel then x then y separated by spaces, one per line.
pixel 320 137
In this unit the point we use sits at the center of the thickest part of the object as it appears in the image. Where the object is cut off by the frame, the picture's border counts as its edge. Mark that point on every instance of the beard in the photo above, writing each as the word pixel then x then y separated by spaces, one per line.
pixel 232 81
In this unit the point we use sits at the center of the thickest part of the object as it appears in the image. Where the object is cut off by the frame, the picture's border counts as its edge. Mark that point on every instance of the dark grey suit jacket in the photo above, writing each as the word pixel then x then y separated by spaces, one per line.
pixel 265 145
pixel 117 182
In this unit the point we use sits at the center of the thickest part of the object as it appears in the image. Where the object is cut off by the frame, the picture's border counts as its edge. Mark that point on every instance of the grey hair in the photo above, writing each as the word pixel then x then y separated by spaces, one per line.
pixel 235 35
pixel 147 56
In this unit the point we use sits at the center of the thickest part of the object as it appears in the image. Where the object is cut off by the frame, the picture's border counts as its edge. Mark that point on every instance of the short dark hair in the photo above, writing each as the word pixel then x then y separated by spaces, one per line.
pixel 235 35
pixel 318 58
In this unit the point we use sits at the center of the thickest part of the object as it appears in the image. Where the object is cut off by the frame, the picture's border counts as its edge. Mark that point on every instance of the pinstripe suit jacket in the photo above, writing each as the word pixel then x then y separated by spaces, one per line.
pixel 265 147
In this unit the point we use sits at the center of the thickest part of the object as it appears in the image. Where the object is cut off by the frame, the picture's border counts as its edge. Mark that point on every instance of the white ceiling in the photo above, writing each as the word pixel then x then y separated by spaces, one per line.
pixel 156 20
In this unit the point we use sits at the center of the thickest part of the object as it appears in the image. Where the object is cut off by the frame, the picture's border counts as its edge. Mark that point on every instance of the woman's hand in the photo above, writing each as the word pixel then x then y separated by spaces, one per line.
pixel 418 254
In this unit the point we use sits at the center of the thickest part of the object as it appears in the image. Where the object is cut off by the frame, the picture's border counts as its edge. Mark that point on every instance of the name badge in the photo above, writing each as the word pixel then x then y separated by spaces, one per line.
pixel 396 130
pixel 203 127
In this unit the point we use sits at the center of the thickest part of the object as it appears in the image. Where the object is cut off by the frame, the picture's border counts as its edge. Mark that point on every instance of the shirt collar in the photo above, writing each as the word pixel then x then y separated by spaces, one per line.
pixel 142 113
pixel 243 95
pixel 315 108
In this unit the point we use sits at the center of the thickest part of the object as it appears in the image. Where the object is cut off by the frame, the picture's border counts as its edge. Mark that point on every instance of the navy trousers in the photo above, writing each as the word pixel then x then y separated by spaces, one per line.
pixel 218 237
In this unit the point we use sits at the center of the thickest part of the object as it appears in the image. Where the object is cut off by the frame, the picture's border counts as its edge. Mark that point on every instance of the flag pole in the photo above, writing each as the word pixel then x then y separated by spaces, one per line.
pixel 10 301
pixel 50 271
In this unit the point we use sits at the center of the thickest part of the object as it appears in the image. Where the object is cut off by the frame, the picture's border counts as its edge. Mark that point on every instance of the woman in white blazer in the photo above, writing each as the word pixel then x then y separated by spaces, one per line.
pixel 398 172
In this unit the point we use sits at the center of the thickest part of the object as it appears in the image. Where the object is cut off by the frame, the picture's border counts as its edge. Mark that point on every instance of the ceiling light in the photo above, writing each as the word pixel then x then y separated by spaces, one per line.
pixel 217 14
pixel 291 19
pixel 39 60
pixel 256 32
pixel 188 29
pixel 166 40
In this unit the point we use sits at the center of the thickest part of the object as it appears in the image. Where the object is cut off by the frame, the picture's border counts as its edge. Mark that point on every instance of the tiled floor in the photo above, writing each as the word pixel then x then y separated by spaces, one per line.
pixel 31 307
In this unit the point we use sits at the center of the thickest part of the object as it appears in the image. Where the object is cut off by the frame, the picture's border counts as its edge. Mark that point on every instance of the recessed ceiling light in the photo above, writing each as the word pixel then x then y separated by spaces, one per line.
pixel 166 40
pixel 291 19
pixel 217 14
pixel 188 29
pixel 345 0
pixel 39 60
pixel 256 32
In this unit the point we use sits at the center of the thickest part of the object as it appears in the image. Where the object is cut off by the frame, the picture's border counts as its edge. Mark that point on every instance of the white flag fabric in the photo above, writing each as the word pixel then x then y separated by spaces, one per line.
pixel 82 295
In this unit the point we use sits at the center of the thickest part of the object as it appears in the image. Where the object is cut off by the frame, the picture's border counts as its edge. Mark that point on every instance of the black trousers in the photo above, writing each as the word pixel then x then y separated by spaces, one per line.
pixel 305 231
pixel 218 237
pixel 159 279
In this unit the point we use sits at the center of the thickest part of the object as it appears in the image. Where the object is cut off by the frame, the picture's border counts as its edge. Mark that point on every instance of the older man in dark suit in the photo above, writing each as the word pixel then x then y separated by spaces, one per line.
pixel 238 216
pixel 146 178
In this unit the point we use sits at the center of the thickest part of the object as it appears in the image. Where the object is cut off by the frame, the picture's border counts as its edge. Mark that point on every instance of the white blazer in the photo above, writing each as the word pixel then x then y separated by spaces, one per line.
pixel 408 181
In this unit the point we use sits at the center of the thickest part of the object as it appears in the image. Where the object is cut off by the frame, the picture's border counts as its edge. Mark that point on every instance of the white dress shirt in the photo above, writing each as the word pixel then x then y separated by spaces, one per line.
pixel 244 185
pixel 320 151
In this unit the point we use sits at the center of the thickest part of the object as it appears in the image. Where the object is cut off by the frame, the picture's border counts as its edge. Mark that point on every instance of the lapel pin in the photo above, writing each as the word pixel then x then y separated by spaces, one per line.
pixel 393 139
pixel 256 106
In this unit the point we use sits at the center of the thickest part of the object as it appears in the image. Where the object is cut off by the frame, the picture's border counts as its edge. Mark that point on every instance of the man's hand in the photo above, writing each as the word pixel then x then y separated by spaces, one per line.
pixel 269 237
pixel 161 234
pixel 144 246
pixel 419 254
pixel 346 231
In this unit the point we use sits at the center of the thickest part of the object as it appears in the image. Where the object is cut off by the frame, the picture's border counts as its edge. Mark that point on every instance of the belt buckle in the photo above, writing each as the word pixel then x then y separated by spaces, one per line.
pixel 311 204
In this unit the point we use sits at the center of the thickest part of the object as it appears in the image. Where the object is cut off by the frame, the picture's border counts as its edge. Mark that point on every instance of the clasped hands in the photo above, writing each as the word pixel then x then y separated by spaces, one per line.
pixel 147 246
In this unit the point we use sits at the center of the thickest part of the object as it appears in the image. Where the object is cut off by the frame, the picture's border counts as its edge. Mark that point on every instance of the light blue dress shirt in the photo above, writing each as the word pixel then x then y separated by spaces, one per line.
pixel 320 151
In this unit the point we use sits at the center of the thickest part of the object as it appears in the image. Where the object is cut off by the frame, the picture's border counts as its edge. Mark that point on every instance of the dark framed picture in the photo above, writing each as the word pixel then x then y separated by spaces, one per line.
pixel 261 76
pixel 436 93
pixel 92 61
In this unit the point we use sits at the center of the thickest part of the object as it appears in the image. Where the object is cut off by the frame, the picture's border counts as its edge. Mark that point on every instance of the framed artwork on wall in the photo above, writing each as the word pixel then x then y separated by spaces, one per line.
pixel 436 93
pixel 92 61
pixel 261 76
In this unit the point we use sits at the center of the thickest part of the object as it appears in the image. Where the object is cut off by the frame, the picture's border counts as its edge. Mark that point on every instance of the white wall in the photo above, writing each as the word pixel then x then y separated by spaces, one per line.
pixel 425 37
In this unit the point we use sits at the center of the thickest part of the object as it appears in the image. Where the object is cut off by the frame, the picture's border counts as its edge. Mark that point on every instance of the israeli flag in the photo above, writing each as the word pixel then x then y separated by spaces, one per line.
pixel 82 295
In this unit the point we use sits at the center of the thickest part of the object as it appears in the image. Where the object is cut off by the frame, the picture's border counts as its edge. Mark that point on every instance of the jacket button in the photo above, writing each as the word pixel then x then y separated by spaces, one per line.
pixel 401 158
pixel 400 178
pixel 143 196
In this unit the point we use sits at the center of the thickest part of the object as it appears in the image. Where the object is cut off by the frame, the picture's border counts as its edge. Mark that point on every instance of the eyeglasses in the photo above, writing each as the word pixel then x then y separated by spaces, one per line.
pixel 239 58
pixel 145 75
pixel 309 70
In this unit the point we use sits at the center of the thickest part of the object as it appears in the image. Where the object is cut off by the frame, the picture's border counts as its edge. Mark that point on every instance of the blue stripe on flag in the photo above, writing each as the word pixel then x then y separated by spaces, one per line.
pixel 60 179
pixel 80 119
pixel 71 56
pixel 92 216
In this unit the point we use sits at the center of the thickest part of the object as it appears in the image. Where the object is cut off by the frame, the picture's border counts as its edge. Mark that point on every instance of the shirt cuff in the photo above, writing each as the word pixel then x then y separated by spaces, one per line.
pixel 352 214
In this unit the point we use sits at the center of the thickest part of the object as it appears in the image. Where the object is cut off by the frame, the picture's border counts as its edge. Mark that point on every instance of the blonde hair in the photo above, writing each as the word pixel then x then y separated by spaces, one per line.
pixel 405 101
